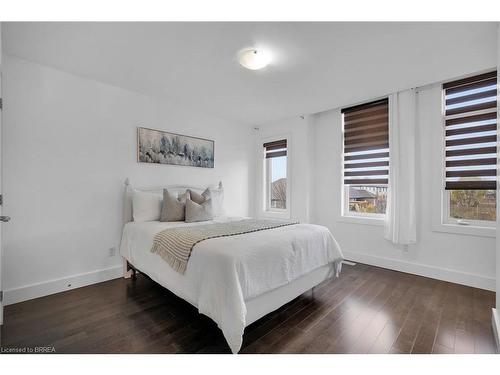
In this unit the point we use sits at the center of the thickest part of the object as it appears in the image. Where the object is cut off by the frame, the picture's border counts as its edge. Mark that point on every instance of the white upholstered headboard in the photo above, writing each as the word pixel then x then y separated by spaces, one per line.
pixel 129 189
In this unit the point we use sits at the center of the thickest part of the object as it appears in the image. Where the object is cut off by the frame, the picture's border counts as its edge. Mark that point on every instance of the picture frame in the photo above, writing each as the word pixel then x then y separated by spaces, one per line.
pixel 162 147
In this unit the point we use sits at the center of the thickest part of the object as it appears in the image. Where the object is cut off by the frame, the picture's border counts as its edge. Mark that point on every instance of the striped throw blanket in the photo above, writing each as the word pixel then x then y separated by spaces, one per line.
pixel 174 245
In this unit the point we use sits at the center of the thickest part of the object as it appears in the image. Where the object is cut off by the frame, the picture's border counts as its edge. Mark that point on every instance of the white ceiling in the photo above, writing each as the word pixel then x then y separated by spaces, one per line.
pixel 316 66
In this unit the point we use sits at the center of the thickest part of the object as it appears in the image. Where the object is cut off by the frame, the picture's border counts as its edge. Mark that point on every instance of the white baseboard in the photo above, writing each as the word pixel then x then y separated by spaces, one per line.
pixel 495 321
pixel 27 292
pixel 445 274
pixel 45 288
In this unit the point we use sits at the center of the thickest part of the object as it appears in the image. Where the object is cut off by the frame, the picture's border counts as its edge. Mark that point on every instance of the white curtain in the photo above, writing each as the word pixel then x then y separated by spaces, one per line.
pixel 400 222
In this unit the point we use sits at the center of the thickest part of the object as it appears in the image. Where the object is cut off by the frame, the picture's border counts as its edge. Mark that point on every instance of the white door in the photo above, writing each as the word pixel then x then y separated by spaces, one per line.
pixel 2 218
pixel 1 114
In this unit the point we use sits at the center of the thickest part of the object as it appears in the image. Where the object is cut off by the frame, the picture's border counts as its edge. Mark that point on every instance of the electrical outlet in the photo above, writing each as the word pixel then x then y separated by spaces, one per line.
pixel 112 251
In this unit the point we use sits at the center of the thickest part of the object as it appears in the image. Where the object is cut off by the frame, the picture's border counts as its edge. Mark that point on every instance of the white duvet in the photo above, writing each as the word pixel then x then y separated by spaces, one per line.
pixel 223 273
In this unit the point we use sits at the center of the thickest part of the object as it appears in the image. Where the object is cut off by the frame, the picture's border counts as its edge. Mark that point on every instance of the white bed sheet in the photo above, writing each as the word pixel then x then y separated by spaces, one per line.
pixel 223 273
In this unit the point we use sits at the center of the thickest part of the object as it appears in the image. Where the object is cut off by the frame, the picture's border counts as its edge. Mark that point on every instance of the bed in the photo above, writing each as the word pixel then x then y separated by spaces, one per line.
pixel 234 280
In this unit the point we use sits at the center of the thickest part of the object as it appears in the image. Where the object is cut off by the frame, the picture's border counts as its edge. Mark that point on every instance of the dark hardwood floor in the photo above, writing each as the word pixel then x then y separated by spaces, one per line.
pixel 367 310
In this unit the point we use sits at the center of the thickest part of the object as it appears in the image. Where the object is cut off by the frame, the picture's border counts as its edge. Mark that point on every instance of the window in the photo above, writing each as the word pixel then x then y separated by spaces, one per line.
pixel 366 158
pixel 470 118
pixel 276 175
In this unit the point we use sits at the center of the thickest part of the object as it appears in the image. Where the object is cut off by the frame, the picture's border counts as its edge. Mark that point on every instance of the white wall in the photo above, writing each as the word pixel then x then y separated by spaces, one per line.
pixel 300 133
pixel 68 145
pixel 459 258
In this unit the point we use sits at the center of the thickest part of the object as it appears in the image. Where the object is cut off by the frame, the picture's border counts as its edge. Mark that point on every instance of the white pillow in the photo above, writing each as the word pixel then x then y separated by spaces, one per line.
pixel 146 206
pixel 217 197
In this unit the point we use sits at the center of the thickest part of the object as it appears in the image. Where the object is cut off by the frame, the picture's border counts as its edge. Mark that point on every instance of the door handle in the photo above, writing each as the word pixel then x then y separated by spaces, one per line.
pixel 5 219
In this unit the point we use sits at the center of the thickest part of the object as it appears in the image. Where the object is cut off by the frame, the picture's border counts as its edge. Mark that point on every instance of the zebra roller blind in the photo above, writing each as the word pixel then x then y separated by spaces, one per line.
pixel 470 132
pixel 275 149
pixel 366 143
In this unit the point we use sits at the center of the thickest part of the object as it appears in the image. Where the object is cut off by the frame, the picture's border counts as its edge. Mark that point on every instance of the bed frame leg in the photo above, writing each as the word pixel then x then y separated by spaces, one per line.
pixel 131 271
pixel 127 273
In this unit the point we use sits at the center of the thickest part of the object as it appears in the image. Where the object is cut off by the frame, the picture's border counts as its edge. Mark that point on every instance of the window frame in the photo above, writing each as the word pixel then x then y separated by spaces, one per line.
pixel 446 223
pixel 357 215
pixel 265 209
pixel 448 220
pixel 345 214
pixel 268 182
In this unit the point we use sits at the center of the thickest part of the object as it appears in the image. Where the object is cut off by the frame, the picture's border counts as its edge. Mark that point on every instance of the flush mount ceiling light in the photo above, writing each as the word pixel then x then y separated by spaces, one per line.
pixel 254 59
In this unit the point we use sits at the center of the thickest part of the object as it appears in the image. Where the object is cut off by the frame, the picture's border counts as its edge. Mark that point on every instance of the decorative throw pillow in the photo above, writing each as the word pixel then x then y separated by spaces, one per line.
pixel 174 209
pixel 146 206
pixel 197 198
pixel 198 212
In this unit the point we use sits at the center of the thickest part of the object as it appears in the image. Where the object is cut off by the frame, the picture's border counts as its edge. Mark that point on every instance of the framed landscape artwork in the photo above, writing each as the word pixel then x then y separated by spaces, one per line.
pixel 160 147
